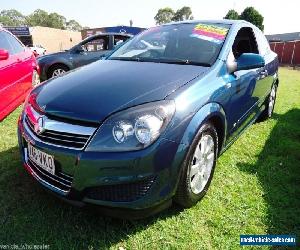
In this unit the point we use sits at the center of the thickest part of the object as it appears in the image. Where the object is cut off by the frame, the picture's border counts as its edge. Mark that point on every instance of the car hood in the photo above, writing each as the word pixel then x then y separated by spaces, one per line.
pixel 93 92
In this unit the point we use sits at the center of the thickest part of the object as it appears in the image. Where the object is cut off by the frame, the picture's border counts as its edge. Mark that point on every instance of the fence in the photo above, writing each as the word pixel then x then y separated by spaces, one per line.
pixel 288 52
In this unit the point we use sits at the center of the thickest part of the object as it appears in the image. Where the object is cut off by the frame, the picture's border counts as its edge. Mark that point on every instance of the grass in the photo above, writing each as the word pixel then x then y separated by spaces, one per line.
pixel 255 190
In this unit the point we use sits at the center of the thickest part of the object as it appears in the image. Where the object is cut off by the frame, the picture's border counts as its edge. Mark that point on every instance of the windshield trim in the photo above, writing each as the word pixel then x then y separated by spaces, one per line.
pixel 161 60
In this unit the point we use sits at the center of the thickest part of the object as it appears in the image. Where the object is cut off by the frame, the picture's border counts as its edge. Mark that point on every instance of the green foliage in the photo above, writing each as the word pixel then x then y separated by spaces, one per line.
pixel 42 18
pixel 38 18
pixel 56 21
pixel 232 14
pixel 73 25
pixel 164 15
pixel 12 18
pixel 185 13
pixel 253 16
pixel 167 15
pixel 249 14
pixel 255 190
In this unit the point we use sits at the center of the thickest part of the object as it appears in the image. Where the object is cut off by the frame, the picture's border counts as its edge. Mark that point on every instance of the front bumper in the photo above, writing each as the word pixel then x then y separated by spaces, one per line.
pixel 128 180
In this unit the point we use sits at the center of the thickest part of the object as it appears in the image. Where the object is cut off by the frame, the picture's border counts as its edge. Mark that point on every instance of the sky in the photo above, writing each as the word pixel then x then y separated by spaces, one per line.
pixel 280 16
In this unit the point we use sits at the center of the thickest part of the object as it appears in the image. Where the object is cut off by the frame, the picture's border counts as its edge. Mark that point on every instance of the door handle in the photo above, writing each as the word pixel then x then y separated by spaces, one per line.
pixel 264 72
pixel 238 88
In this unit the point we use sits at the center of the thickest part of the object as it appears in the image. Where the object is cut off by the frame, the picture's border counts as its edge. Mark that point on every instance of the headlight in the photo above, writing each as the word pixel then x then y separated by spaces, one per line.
pixel 133 129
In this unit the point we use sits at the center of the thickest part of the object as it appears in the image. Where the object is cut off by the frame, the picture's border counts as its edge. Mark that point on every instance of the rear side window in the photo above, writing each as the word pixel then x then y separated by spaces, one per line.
pixel 118 39
pixel 263 44
pixel 96 44
pixel 16 46
pixel 245 42
pixel 4 44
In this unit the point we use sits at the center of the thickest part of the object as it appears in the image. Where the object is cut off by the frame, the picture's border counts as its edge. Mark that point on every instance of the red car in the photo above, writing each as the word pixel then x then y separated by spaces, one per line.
pixel 19 72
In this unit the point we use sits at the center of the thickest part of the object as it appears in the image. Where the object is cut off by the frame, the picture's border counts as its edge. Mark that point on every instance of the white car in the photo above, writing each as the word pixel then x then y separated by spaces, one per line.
pixel 38 49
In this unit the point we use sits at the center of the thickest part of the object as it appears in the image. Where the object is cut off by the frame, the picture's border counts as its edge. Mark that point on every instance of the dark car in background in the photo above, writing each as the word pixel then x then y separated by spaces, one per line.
pixel 89 50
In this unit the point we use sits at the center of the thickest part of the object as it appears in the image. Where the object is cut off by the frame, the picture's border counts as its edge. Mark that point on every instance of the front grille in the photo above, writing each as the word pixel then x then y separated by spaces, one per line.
pixel 121 192
pixel 64 139
pixel 60 180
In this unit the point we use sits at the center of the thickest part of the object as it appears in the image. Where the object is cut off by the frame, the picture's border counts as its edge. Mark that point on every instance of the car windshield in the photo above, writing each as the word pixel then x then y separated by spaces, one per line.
pixel 189 43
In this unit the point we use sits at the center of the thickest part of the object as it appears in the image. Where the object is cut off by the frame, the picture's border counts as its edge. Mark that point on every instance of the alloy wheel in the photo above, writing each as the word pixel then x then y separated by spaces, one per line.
pixel 58 72
pixel 272 98
pixel 202 163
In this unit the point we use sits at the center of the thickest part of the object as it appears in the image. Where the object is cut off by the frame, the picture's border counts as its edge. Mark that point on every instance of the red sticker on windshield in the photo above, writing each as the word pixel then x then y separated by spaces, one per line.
pixel 210 33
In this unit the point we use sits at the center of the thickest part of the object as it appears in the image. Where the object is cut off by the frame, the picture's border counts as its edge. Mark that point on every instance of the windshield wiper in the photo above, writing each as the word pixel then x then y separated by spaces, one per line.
pixel 161 60
pixel 135 59
pixel 183 62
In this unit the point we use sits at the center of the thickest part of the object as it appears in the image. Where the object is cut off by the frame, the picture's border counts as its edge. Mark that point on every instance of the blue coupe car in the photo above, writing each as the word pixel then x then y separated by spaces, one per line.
pixel 145 127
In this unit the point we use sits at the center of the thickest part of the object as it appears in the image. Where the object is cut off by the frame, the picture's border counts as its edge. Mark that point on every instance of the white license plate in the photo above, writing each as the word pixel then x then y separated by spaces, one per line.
pixel 43 160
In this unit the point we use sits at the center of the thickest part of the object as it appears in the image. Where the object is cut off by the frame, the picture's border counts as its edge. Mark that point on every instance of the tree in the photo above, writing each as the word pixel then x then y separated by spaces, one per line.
pixel 253 16
pixel 232 14
pixel 11 18
pixel 42 18
pixel 73 25
pixel 37 18
pixel 6 21
pixel 56 21
pixel 164 15
pixel 185 13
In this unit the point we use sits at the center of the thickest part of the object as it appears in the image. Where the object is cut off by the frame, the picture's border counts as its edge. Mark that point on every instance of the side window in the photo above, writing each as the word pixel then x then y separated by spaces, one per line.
pixel 263 44
pixel 17 47
pixel 244 42
pixel 97 44
pixel 120 39
pixel 4 44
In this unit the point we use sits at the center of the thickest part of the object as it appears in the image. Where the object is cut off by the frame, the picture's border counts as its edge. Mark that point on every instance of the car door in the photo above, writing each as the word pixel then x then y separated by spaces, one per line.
pixel 24 58
pixel 267 73
pixel 91 50
pixel 9 76
pixel 245 95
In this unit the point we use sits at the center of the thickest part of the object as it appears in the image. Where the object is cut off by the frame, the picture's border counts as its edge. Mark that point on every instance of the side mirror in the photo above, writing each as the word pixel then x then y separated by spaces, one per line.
pixel 79 49
pixel 250 61
pixel 4 54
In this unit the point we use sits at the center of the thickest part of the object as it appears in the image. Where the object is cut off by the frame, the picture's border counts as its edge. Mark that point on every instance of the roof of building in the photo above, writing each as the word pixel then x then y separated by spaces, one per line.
pixel 284 37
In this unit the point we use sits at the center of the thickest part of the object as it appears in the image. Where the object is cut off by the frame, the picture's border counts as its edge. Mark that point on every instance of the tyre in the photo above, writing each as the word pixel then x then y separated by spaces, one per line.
pixel 198 167
pixel 269 104
pixel 35 78
pixel 57 70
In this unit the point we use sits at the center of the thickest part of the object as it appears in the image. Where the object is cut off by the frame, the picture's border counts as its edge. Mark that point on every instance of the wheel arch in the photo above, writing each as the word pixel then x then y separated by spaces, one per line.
pixel 55 64
pixel 210 112
pixel 213 113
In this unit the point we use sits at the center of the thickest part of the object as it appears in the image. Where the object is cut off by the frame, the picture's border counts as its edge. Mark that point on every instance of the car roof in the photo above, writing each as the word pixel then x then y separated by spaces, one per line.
pixel 112 34
pixel 220 21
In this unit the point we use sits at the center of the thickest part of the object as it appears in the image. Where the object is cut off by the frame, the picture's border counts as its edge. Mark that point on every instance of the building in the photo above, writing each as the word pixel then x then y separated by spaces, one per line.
pixel 115 29
pixel 287 46
pixel 53 40
pixel 22 33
